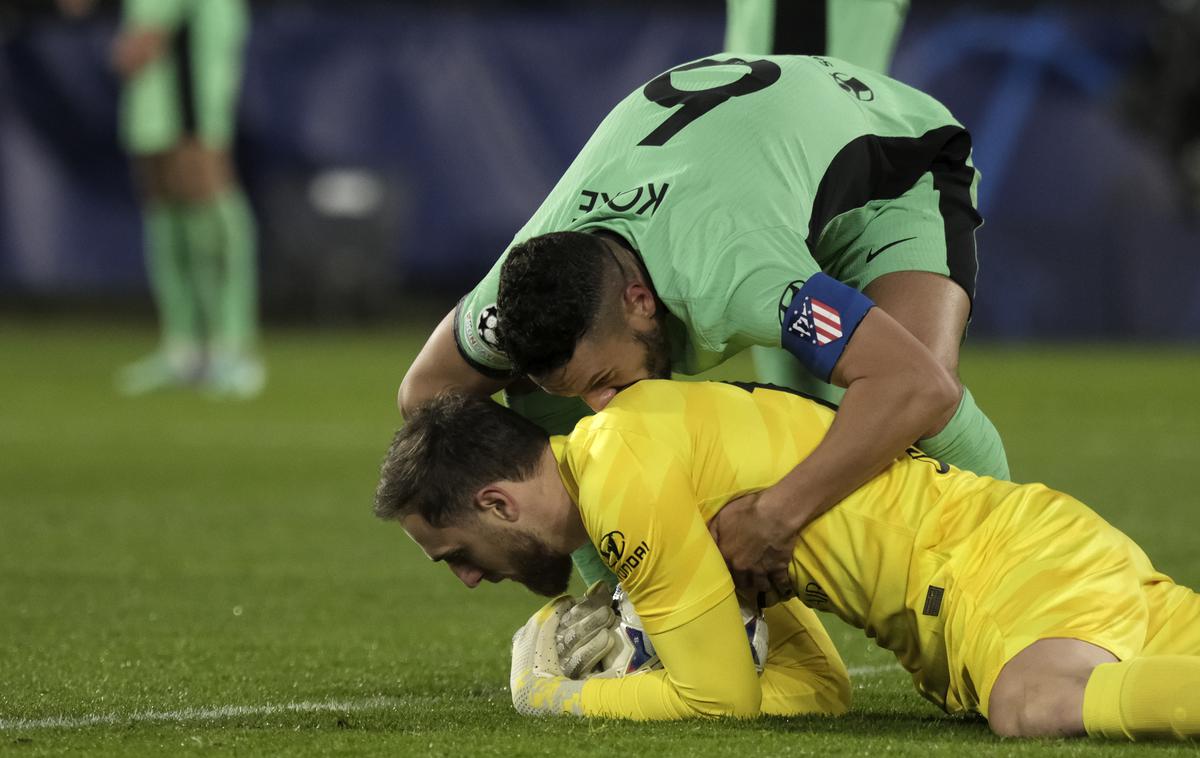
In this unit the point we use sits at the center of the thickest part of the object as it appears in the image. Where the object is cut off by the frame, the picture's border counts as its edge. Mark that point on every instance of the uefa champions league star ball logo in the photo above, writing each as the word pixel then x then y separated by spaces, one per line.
pixel 489 321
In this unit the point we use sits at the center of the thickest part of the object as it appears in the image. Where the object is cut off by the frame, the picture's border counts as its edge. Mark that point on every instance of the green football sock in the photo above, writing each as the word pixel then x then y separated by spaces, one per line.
pixel 179 357
pixel 170 279
pixel 236 331
pixel 969 441
pixel 220 235
pixel 202 230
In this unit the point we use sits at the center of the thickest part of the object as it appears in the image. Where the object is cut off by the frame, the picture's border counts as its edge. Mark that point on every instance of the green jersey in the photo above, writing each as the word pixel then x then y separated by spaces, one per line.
pixel 726 175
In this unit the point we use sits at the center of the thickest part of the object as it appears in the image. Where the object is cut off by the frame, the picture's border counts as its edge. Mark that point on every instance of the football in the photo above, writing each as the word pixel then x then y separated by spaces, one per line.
pixel 634 653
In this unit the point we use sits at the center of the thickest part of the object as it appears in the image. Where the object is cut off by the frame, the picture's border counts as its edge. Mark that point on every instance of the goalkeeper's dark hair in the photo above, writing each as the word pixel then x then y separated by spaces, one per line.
pixel 552 288
pixel 447 450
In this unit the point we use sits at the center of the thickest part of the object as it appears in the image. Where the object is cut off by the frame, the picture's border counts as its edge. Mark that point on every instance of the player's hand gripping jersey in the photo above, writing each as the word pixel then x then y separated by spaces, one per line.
pixel 738 181
pixel 952 572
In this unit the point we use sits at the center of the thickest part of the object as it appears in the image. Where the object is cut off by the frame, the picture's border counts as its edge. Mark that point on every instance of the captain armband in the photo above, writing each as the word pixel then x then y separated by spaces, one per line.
pixel 818 319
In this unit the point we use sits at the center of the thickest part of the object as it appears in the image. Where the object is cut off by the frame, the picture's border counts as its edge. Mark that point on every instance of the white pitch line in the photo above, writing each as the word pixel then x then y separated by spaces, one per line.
pixel 881 668
pixel 237 711
pixel 198 714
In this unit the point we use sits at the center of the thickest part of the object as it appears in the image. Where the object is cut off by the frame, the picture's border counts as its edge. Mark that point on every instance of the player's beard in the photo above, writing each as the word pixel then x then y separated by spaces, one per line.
pixel 658 351
pixel 539 567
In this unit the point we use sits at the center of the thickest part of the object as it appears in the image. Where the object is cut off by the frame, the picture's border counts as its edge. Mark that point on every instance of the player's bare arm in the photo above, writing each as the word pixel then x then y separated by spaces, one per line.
pixel 439 367
pixel 896 393
pixel 137 47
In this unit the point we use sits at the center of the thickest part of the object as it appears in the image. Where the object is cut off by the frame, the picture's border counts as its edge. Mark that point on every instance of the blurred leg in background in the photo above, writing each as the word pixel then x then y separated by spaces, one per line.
pixel 181 61
pixel 863 32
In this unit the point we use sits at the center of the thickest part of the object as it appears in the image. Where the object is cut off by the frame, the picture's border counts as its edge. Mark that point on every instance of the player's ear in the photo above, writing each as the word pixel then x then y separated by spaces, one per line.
pixel 496 501
pixel 639 300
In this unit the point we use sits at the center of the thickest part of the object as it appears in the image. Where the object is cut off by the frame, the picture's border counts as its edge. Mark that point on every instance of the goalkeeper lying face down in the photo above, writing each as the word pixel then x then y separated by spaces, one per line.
pixel 1014 601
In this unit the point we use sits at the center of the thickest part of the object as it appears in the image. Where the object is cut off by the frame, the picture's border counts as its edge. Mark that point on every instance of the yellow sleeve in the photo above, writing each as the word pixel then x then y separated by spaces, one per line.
pixel 641 509
pixel 636 498
pixel 804 672
pixel 707 671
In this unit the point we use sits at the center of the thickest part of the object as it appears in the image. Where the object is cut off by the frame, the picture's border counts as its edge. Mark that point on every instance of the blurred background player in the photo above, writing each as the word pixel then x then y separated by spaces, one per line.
pixel 863 32
pixel 181 66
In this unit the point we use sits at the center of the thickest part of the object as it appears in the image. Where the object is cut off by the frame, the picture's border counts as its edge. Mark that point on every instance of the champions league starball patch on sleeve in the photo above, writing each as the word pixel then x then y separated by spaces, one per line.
pixel 489 323
pixel 477 340
pixel 817 320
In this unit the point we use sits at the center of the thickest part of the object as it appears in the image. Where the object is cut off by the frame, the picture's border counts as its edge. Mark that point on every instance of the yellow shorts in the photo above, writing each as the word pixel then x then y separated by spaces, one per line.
pixel 1044 565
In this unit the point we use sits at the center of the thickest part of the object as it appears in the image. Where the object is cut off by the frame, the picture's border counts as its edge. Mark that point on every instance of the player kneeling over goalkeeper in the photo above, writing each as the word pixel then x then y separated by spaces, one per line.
pixel 1015 601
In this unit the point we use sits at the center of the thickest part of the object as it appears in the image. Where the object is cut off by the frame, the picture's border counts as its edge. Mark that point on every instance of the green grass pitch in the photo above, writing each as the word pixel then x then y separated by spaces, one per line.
pixel 186 577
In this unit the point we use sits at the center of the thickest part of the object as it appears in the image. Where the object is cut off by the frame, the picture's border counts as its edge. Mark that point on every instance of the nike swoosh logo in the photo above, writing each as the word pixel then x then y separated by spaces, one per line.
pixel 874 253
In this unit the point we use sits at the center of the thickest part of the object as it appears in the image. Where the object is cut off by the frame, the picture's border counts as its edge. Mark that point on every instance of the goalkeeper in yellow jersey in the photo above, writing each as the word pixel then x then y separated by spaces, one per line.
pixel 1014 601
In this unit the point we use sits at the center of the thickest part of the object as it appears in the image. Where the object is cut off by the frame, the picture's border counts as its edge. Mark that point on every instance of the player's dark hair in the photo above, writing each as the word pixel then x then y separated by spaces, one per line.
pixel 447 450
pixel 551 290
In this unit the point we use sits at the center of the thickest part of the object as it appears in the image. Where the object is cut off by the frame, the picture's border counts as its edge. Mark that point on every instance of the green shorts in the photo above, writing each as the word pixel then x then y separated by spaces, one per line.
pixel 931 227
pixel 191 90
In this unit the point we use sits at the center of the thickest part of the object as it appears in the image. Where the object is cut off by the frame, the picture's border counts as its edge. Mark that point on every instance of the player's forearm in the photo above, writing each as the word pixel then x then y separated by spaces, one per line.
pixel 880 416
pixel 651 696
pixel 707 672
pixel 439 367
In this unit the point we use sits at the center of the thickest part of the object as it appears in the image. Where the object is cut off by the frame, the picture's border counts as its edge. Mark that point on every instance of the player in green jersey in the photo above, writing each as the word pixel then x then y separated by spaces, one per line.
pixel 863 32
pixel 181 65
pixel 747 201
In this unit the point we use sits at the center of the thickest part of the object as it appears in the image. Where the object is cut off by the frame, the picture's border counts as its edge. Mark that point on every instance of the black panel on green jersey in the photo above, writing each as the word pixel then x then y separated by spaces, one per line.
pixel 871 167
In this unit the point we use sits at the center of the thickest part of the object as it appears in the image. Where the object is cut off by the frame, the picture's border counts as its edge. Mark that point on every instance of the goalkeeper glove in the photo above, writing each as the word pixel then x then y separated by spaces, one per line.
pixel 587 632
pixel 536 678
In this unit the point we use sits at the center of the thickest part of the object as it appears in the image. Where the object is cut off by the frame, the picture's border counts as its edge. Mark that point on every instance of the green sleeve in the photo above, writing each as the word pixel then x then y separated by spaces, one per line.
pixel 475 323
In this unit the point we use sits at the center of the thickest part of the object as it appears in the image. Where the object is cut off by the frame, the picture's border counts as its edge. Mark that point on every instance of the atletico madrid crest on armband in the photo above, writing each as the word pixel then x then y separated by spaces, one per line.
pixel 817 322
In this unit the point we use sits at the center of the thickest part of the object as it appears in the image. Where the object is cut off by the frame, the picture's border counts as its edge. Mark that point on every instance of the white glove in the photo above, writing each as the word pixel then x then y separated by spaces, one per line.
pixel 536 678
pixel 586 632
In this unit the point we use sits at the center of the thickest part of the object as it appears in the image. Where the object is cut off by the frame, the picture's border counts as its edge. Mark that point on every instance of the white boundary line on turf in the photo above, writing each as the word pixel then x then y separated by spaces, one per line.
pixel 198 714
pixel 869 671
pixel 236 711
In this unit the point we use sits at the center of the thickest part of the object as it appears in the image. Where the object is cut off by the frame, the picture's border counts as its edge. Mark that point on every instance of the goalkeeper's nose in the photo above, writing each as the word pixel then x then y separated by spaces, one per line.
pixel 468 575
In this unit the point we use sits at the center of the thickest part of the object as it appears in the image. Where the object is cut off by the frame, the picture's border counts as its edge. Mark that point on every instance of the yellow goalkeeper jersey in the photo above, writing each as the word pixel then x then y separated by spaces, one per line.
pixel 664 457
